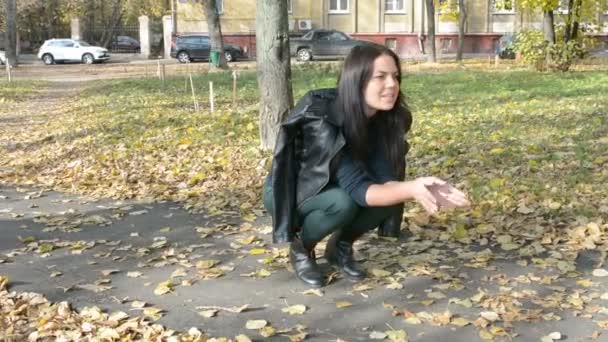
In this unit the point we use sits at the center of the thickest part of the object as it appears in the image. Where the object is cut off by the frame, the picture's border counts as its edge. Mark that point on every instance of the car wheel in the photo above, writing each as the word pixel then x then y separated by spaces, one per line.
pixel 229 57
pixel 304 55
pixel 183 57
pixel 87 58
pixel 48 59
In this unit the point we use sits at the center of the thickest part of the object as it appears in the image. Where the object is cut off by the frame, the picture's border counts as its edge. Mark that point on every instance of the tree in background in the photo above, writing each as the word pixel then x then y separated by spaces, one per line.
pixel 462 20
pixel 273 66
pixel 11 31
pixel 214 28
pixel 560 43
pixel 39 20
pixel 430 15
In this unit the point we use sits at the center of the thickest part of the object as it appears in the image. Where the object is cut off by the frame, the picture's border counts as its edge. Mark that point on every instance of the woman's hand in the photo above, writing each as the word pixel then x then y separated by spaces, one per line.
pixel 421 193
pixel 435 194
pixel 448 196
pixel 431 192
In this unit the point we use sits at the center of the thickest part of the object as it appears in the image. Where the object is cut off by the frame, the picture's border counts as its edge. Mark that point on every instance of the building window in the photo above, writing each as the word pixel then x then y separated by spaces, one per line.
pixel 289 6
pixel 338 6
pixel 563 7
pixel 394 6
pixel 391 43
pixel 219 6
pixel 503 6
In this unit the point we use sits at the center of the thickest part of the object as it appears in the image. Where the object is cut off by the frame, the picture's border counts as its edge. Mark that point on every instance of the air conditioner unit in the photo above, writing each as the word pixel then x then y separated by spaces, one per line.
pixel 292 24
pixel 304 24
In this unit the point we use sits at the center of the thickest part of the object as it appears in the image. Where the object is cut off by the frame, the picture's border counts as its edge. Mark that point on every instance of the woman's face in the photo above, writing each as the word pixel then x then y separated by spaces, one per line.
pixel 382 88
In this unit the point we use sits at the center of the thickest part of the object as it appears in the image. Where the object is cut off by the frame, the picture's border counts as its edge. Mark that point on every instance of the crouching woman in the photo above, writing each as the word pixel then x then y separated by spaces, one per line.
pixel 339 165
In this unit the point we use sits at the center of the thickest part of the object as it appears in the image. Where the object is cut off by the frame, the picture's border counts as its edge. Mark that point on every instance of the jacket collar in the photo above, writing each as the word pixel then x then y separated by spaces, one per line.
pixel 331 112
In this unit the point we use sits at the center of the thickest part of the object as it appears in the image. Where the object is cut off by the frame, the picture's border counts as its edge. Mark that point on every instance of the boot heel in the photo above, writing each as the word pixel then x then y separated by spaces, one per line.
pixel 304 264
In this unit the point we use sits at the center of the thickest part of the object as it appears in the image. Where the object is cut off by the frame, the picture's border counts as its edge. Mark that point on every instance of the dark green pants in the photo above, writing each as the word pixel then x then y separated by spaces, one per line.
pixel 333 210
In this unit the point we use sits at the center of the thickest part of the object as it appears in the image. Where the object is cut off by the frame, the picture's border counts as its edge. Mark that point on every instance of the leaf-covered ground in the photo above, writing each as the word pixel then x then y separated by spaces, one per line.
pixel 529 148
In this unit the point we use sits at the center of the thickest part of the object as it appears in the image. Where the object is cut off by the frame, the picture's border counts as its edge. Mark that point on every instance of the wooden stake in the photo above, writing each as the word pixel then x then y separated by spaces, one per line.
pixel 234 75
pixel 211 96
pixel 196 108
pixel 8 71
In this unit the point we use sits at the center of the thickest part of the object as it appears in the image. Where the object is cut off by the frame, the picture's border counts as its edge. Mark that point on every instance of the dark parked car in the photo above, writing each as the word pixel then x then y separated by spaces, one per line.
pixel 188 48
pixel 125 43
pixel 323 44
pixel 505 47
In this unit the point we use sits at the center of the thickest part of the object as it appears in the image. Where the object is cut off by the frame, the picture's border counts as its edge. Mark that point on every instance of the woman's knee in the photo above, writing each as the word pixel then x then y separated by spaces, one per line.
pixel 341 205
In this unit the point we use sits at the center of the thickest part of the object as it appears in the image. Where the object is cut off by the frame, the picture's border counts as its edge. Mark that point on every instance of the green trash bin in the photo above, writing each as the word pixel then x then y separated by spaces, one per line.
pixel 214 58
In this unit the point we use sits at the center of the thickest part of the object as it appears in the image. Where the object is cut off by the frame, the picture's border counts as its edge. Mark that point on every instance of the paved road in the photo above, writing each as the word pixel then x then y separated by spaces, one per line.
pixel 128 237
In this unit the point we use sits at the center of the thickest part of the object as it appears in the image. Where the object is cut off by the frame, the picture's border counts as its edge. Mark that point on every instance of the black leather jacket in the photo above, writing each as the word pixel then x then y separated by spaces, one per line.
pixel 300 171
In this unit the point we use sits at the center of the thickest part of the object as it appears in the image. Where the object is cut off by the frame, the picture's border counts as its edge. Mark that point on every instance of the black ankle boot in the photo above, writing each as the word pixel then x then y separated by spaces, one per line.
pixel 339 253
pixel 304 263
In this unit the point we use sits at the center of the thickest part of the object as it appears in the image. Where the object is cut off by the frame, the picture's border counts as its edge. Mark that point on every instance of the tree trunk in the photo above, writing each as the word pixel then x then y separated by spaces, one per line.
pixel 215 30
pixel 430 14
pixel 11 32
pixel 576 19
pixel 462 19
pixel 114 24
pixel 568 22
pixel 274 69
pixel 89 25
pixel 548 26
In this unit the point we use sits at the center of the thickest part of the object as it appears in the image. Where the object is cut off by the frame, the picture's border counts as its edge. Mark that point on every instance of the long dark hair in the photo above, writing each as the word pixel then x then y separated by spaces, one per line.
pixel 392 125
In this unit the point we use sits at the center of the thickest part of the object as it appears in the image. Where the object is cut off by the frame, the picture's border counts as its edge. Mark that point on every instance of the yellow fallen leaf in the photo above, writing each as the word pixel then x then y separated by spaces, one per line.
pixel 257 251
pixel 585 283
pixel 208 313
pixel 486 335
pixel 242 338
pixel 163 288
pixel 396 335
pixel 413 320
pixel 316 292
pixel 247 241
pixel 255 324
pixel 153 313
pixel 138 304
pixel 299 337
pixel 379 273
pixel 377 335
pixel 206 264
pixel 343 304
pixel 268 331
pixel 460 322
pixel 489 315
pixel 295 309
pixel 600 272
pixel 108 272
pixel 3 282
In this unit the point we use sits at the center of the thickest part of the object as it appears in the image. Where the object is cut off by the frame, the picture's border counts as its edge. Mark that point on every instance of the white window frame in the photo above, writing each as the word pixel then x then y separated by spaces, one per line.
pixel 219 4
pixel 393 10
pixel 290 6
pixel 563 7
pixel 339 2
pixel 503 11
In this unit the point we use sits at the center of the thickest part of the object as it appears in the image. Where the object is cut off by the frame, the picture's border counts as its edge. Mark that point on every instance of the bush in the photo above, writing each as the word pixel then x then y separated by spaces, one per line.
pixel 542 55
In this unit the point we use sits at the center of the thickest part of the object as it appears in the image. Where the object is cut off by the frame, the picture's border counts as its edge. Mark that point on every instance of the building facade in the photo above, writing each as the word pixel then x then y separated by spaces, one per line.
pixel 399 24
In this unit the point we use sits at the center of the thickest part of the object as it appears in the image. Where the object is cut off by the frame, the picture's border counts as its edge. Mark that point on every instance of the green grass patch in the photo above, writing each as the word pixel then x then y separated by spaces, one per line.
pixel 528 147
pixel 18 91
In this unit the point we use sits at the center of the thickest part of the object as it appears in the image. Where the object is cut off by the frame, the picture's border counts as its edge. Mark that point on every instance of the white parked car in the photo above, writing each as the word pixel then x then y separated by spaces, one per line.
pixel 2 57
pixel 70 50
